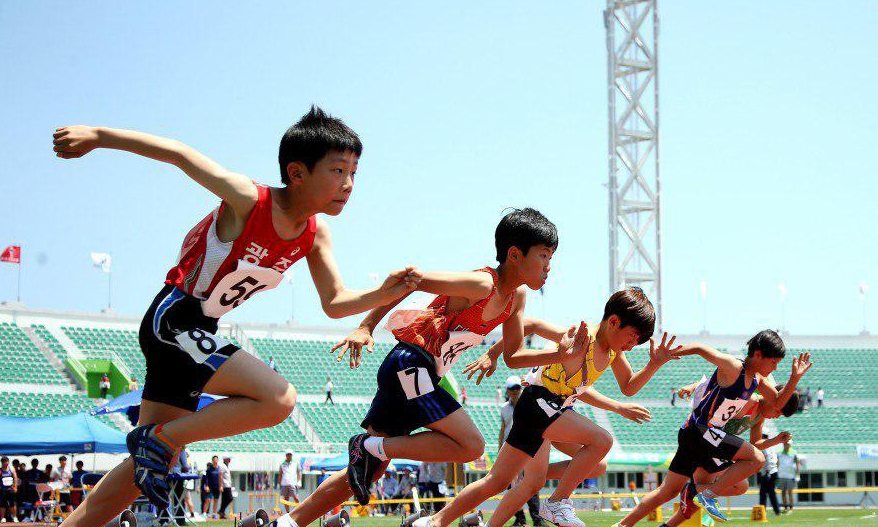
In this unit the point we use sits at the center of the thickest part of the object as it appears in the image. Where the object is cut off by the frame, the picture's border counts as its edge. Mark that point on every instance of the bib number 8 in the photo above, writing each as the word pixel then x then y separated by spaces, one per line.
pixel 199 344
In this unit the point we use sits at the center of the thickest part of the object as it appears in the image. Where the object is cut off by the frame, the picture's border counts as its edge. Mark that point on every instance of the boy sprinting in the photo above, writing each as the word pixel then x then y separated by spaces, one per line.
pixel 751 417
pixel 241 248
pixel 703 443
pixel 542 417
pixel 468 306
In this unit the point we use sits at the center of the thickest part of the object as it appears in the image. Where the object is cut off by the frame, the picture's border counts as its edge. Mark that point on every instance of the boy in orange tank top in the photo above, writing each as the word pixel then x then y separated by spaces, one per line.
pixel 468 306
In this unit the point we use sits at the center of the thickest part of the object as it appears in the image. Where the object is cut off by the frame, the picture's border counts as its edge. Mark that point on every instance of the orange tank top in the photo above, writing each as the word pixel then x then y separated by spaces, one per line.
pixel 447 335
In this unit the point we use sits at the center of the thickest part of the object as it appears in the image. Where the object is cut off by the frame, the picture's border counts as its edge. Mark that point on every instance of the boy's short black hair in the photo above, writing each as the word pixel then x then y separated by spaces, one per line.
pixel 524 228
pixel 4 459
pixel 316 134
pixel 769 343
pixel 633 309
pixel 792 404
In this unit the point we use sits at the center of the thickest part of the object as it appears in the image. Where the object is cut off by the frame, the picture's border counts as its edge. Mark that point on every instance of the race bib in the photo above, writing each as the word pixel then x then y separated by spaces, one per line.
pixel 714 436
pixel 415 382
pixel 7 481
pixel 458 342
pixel 726 411
pixel 238 286
pixel 550 407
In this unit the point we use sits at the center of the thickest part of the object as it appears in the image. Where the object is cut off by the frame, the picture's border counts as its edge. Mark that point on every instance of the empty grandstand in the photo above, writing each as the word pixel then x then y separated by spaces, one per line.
pixel 39 348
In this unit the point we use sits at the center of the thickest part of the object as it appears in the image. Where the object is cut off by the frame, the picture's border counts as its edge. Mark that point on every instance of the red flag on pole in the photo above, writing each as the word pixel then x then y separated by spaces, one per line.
pixel 11 254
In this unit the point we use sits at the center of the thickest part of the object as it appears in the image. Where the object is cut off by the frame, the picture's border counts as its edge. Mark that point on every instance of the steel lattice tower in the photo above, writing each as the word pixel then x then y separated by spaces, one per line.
pixel 632 91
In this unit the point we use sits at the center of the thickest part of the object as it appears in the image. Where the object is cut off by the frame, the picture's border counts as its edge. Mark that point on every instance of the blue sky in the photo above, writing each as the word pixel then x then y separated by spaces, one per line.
pixel 768 130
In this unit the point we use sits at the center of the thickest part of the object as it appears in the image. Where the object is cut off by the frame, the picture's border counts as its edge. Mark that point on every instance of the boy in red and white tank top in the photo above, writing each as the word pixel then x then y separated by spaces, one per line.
pixel 467 307
pixel 241 248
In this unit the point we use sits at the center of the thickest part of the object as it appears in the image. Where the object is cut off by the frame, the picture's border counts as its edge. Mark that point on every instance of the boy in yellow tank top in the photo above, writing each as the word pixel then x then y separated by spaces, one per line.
pixel 541 419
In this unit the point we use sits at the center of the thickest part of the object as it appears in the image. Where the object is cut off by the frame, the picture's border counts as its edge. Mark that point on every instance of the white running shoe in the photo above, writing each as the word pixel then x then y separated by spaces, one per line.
pixel 422 522
pixel 560 513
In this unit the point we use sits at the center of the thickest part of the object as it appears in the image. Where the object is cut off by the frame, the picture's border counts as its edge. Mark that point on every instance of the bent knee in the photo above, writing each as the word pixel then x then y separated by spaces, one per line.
pixel 758 457
pixel 603 442
pixel 283 404
pixel 738 488
pixel 472 447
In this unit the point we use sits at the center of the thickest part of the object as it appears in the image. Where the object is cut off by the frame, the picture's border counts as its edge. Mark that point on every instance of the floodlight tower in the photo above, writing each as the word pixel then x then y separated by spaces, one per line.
pixel 632 91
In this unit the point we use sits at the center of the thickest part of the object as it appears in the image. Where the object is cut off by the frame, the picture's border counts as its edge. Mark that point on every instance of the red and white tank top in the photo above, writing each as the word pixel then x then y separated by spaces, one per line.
pixel 446 335
pixel 226 274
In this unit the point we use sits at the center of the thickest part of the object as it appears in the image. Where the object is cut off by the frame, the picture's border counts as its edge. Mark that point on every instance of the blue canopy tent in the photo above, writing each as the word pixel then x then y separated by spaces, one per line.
pixel 339 462
pixel 65 434
pixel 133 398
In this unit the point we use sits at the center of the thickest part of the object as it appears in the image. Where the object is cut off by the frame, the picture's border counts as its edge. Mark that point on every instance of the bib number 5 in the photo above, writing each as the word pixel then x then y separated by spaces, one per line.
pixel 240 292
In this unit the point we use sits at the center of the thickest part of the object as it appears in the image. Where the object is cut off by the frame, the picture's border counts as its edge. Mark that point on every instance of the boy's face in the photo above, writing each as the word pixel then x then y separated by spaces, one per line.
pixel 534 267
pixel 331 181
pixel 621 338
pixel 765 365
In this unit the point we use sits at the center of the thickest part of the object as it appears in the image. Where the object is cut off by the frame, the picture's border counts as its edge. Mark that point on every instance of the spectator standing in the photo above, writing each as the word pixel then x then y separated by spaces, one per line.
pixel 513 392
pixel 435 479
pixel 820 395
pixel 62 474
pixel 213 483
pixel 463 396
pixel 226 497
pixel 8 490
pixel 31 478
pixel 272 364
pixel 290 479
pixel 787 472
pixel 767 478
pixel 104 385
pixel 389 488
pixel 673 396
pixel 76 483
pixel 329 387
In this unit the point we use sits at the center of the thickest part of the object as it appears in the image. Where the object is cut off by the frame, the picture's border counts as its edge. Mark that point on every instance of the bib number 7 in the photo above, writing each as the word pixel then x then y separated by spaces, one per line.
pixel 415 382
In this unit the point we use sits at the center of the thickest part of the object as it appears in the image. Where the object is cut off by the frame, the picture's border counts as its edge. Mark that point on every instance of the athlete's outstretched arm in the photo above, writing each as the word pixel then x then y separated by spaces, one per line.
pixel 236 190
pixel 338 301
pixel 629 382
pixel 801 365
pixel 631 411
pixel 729 367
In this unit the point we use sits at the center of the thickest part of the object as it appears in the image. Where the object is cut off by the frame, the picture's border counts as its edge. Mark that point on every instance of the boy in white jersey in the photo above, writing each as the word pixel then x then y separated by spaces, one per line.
pixel 542 417
pixel 241 248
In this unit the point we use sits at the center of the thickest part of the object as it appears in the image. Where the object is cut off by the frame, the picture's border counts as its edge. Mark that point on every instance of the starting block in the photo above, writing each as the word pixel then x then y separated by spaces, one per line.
pixel 656 516
pixel 757 514
pixel 257 519
pixel 126 519
pixel 473 519
pixel 695 520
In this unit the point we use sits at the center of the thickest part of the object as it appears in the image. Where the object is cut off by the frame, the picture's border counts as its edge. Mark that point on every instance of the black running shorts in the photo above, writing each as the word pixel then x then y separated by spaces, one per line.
pixel 181 349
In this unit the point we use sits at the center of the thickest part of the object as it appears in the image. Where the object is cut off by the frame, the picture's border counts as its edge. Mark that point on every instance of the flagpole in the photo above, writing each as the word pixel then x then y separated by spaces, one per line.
pixel 18 287
pixel 109 290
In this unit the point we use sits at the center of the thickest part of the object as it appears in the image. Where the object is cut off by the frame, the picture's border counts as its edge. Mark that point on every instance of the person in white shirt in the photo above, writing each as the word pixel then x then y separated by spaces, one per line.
pixel 513 391
pixel 329 387
pixel 63 474
pixel 767 478
pixel 290 479
pixel 225 486
pixel 787 471
pixel 820 395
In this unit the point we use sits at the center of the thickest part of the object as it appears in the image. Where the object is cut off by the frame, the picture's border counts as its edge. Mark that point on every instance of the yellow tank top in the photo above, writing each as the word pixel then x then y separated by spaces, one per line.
pixel 558 381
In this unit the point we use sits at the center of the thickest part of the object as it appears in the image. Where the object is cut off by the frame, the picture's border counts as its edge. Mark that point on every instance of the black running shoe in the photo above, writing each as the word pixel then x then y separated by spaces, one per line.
pixel 361 468
pixel 151 458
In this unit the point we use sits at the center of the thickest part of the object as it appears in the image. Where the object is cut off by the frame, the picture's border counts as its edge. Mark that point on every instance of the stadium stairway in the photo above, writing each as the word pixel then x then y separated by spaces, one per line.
pixel 48 349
